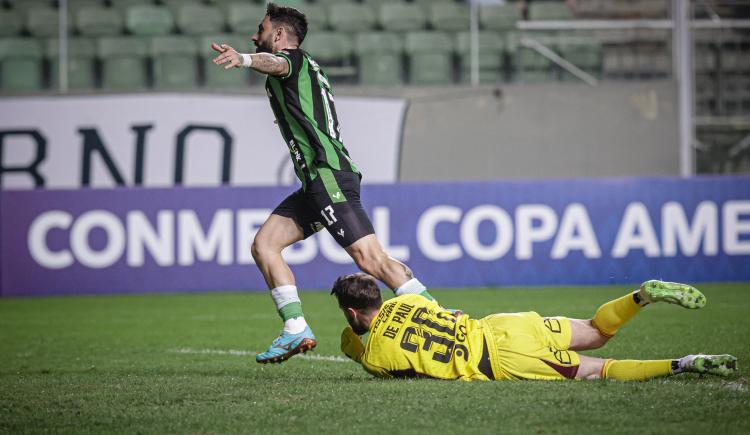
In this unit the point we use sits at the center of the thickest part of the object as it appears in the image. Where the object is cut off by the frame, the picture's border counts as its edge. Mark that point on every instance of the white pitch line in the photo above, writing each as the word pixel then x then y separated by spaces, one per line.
pixel 234 352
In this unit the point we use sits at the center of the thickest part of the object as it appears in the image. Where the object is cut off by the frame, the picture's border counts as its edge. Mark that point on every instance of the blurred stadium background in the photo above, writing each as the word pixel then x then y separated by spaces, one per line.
pixel 503 143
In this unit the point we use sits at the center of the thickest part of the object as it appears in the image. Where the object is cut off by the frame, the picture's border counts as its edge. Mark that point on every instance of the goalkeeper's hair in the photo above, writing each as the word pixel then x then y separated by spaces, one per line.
pixel 292 19
pixel 358 290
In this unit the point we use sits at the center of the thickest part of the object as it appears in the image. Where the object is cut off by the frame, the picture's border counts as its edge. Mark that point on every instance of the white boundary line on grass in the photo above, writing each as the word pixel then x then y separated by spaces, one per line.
pixel 235 352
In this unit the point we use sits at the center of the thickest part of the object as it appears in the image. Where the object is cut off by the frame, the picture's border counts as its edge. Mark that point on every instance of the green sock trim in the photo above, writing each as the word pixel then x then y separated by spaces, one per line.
pixel 427 295
pixel 290 311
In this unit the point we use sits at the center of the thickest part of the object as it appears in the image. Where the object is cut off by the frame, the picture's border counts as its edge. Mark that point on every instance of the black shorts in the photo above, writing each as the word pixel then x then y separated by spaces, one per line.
pixel 330 201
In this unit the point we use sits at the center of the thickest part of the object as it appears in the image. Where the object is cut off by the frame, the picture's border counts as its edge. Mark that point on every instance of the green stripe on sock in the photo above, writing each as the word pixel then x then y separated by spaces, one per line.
pixel 332 187
pixel 290 311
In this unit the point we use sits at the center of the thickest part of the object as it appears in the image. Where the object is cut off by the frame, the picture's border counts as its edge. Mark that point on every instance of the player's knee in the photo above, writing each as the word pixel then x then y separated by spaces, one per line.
pixel 260 249
pixel 598 339
pixel 256 250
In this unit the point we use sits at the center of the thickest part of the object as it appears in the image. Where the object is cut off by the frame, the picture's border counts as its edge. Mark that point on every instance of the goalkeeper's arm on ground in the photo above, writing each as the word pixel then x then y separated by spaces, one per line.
pixel 352 345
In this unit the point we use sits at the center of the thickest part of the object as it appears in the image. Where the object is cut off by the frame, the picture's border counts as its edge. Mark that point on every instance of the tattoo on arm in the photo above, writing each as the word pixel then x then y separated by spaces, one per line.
pixel 267 63
pixel 409 274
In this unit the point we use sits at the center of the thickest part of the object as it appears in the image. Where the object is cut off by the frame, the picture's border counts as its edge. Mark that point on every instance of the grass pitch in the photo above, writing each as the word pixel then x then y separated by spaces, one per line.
pixel 185 364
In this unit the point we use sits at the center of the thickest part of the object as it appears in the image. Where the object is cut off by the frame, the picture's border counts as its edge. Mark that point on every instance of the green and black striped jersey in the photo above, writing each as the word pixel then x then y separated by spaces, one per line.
pixel 303 104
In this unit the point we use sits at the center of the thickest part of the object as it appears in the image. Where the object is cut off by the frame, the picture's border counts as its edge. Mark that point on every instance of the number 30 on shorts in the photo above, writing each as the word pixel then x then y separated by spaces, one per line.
pixel 328 215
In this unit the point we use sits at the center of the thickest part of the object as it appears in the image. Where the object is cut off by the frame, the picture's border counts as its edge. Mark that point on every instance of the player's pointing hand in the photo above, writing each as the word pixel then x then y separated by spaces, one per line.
pixel 229 57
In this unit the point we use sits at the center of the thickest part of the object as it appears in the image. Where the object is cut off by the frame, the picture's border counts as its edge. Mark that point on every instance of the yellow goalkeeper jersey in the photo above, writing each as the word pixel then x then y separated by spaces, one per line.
pixel 413 336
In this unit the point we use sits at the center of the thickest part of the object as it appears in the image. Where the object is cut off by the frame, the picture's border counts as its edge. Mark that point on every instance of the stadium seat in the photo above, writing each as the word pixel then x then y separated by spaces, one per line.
pixel 44 22
pixel 223 5
pixel 329 47
pixel 20 64
pixel 24 6
pixel 705 59
pixel 547 10
pixel 429 57
pixel 216 76
pixel 332 2
pixel 76 5
pixel 123 66
pixel 499 17
pixel 123 5
pixel 293 3
pixel 195 19
pixel 448 16
pixel 175 5
pixel 149 20
pixel 585 53
pixel 98 21
pixel 174 61
pixel 380 2
pixel 81 53
pixel 402 17
pixel 491 56
pixel 425 4
pixel 244 18
pixel 11 23
pixel 351 17
pixel 317 18
pixel 735 60
pixel 380 62
pixel 529 65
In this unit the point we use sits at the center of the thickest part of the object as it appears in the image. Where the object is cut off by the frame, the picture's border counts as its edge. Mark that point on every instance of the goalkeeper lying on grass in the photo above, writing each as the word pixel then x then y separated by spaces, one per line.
pixel 411 336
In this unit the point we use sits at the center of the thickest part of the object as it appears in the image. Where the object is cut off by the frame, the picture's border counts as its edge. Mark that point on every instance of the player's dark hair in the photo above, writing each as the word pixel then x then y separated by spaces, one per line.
pixel 289 17
pixel 357 290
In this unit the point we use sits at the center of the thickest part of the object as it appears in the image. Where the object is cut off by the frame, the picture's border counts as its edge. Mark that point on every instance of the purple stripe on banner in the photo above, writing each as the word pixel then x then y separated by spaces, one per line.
pixel 529 233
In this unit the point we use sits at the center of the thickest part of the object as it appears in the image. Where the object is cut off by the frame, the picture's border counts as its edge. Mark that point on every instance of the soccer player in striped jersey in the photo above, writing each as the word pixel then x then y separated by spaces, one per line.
pixel 302 101
pixel 411 336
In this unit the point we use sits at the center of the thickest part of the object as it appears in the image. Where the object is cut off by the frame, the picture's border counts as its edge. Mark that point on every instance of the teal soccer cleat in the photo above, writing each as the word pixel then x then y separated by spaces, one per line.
pixel 719 365
pixel 287 345
pixel 673 293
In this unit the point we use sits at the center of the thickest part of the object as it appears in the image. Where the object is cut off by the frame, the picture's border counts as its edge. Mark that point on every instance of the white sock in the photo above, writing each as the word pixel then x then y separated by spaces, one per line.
pixel 284 295
pixel 295 325
pixel 411 287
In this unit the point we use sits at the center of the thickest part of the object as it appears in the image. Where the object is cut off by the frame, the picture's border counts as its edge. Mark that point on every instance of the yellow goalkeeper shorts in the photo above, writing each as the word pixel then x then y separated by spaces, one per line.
pixel 529 346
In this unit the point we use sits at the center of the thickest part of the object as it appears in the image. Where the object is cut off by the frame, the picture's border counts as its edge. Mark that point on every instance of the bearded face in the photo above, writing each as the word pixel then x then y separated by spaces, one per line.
pixel 263 39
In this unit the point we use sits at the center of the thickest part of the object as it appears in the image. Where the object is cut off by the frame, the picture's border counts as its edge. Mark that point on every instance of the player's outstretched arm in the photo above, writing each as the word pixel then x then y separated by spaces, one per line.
pixel 265 63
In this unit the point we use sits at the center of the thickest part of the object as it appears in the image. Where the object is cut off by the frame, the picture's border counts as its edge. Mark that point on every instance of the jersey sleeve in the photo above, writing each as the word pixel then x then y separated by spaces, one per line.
pixel 351 344
pixel 374 369
pixel 294 59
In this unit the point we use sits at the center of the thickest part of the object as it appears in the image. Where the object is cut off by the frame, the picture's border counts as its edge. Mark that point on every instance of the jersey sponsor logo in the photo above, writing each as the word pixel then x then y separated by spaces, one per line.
pixel 297 154
pixel 561 355
pixel 341 233
pixel 553 325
